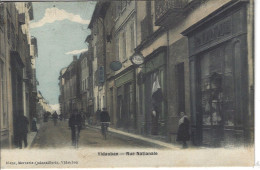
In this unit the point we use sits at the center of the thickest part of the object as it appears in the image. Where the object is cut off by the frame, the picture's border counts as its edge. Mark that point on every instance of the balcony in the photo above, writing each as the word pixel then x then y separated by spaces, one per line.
pixel 169 11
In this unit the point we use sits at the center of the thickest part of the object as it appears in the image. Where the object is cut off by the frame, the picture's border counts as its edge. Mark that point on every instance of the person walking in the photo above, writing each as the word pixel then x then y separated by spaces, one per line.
pixel 34 125
pixel 104 120
pixel 183 133
pixel 55 118
pixel 22 130
pixel 75 123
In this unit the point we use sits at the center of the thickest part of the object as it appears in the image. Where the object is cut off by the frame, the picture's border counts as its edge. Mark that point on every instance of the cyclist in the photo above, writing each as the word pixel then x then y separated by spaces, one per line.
pixel 104 120
pixel 75 126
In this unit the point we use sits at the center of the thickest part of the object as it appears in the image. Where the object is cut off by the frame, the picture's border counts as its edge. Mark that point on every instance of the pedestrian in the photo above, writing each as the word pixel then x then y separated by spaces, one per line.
pixel 55 118
pixel 183 133
pixel 22 130
pixel 97 115
pixel 34 125
pixel 104 119
pixel 75 123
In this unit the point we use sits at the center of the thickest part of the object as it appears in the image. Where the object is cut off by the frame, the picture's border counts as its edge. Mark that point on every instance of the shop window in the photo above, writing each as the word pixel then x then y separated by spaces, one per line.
pixel 154 102
pixel 238 76
pixel 217 90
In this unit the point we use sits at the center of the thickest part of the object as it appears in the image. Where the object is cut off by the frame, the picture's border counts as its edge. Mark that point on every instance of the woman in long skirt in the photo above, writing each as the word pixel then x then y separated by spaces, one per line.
pixel 183 134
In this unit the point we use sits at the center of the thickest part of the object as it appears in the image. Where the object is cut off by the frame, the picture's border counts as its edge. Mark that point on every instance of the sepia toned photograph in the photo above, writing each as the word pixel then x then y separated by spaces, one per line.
pixel 127 83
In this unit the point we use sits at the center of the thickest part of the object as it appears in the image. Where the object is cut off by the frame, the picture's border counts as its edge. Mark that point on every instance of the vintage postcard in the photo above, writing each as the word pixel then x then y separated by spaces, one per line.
pixel 127 83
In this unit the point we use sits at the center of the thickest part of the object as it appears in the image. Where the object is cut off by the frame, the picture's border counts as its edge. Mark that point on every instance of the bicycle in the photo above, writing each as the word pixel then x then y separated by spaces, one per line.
pixel 104 129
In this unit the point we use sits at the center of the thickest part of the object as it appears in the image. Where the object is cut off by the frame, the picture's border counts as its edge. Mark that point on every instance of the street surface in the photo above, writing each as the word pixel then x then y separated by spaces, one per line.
pixel 59 136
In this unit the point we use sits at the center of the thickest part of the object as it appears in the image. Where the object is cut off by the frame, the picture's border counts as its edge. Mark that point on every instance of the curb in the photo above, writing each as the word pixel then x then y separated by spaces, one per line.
pixel 138 138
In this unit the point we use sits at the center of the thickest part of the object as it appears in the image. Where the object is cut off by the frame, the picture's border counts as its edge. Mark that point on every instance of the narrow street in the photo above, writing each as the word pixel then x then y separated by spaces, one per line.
pixel 174 79
pixel 59 136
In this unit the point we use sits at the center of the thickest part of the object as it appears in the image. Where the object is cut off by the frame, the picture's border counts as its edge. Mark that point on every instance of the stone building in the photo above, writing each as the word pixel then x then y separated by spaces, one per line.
pixel 221 72
pixel 201 52
pixel 98 48
pixel 42 107
pixel 17 82
pixel 62 92
pixel 191 56
pixel 90 81
pixel 71 87
pixel 118 43
pixel 83 76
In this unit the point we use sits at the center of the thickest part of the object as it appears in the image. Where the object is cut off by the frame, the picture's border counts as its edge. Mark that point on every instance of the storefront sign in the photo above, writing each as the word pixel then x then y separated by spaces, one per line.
pixel 127 77
pixel 115 65
pixel 213 33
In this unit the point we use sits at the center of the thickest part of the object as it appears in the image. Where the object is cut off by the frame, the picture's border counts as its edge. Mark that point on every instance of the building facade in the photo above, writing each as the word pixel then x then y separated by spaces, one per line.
pixel 17 82
pixel 83 80
pixel 42 107
pixel 196 57
pixel 62 93
pixel 71 86
pixel 90 82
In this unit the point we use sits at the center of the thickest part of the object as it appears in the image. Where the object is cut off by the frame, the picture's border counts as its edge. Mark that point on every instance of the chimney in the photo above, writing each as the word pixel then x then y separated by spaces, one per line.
pixel 75 58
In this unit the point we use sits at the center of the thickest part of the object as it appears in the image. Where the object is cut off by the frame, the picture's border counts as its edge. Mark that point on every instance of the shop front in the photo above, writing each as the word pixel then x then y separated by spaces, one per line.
pixel 152 85
pixel 218 71
pixel 125 101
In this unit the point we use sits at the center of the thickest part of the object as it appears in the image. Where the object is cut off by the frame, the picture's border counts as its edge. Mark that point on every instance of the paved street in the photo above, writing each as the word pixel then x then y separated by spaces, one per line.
pixel 59 136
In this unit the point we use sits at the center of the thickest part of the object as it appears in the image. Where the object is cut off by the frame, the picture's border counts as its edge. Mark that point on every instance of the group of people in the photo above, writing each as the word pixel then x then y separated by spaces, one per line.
pixel 183 134
pixel 75 123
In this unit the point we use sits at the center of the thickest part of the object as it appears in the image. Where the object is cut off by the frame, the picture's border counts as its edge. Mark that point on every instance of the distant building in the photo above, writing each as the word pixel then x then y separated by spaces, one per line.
pixel 62 92
pixel 71 77
pixel 90 82
pixel 42 107
pixel 83 76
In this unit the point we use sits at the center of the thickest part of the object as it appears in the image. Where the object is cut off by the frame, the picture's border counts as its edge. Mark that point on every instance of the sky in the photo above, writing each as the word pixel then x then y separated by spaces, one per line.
pixel 61 29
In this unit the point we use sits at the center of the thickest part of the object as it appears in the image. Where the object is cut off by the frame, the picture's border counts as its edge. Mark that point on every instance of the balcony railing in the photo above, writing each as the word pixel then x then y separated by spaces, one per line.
pixel 168 9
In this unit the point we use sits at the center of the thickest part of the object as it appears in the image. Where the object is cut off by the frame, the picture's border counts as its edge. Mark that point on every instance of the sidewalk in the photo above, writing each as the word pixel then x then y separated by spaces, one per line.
pixel 31 136
pixel 139 137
